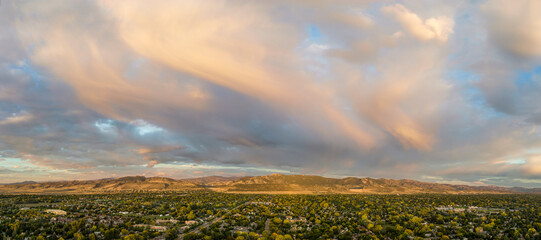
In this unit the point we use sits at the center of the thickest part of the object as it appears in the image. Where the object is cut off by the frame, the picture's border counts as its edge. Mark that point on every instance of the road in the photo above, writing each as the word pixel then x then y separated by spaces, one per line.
pixel 207 224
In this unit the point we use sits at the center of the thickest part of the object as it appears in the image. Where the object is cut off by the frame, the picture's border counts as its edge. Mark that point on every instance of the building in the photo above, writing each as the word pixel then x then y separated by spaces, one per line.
pixel 56 211
pixel 152 227
pixel 158 228
pixel 159 221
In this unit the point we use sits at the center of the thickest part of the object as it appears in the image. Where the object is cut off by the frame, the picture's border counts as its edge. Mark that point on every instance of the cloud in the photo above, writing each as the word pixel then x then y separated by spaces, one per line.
pixel 246 57
pixel 533 165
pixel 158 149
pixel 89 57
pixel 16 119
pixel 505 64
pixel 515 26
pixel 152 163
pixel 438 28
pixel 402 94
pixel 96 88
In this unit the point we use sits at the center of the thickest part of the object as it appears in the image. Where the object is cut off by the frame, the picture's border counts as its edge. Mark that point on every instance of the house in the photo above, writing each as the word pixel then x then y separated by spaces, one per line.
pixel 166 221
pixel 300 219
pixel 263 203
pixel 152 227
pixel 184 228
pixel 158 228
pixel 56 211
pixel 141 225
pixel 190 222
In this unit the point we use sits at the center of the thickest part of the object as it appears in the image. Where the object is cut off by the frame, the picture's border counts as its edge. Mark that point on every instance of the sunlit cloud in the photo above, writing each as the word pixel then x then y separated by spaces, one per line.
pixel 17 118
pixel 438 28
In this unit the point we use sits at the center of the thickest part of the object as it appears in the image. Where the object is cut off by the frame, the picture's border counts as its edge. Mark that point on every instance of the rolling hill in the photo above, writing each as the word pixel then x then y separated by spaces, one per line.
pixel 211 180
pixel 318 184
pixel 274 183
pixel 110 185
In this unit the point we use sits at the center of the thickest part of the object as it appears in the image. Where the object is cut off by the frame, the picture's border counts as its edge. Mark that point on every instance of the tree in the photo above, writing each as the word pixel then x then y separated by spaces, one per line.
pixel 190 215
pixel 171 234
pixel 78 236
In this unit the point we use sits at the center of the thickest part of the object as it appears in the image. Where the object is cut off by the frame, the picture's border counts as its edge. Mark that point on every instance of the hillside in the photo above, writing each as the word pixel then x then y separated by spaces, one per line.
pixel 211 180
pixel 274 183
pixel 318 184
pixel 110 185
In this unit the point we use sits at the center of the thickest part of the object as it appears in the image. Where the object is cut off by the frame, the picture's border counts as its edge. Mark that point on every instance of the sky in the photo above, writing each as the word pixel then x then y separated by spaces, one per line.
pixel 436 91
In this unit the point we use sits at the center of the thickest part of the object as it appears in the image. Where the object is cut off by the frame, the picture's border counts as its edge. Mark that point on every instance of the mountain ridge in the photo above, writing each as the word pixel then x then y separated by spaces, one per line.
pixel 274 183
